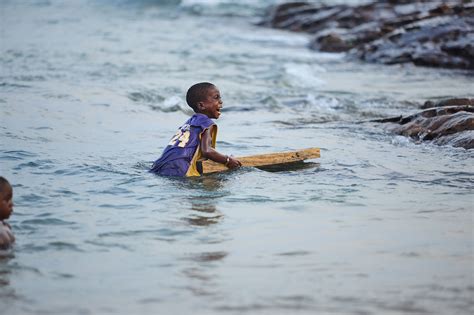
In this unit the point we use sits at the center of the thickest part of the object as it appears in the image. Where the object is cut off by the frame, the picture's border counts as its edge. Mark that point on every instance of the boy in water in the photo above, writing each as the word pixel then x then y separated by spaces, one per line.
pixel 196 139
pixel 6 209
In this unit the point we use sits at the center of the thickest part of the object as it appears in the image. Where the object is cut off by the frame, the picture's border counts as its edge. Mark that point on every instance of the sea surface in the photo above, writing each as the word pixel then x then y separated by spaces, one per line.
pixel 91 92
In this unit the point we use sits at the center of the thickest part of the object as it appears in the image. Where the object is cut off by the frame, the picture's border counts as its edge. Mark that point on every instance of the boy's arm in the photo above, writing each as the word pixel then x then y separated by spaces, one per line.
pixel 6 236
pixel 207 151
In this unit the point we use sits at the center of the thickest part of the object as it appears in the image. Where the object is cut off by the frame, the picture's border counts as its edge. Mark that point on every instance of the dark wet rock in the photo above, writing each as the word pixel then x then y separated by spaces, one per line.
pixel 446 42
pixel 428 33
pixel 448 102
pixel 443 125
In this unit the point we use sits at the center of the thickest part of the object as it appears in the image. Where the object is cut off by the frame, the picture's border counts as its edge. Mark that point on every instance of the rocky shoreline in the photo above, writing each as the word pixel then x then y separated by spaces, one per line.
pixel 430 33
pixel 447 122
pixel 427 33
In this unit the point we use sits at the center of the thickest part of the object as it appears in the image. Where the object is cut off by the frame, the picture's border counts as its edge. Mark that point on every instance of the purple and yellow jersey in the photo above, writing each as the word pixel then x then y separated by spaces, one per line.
pixel 184 150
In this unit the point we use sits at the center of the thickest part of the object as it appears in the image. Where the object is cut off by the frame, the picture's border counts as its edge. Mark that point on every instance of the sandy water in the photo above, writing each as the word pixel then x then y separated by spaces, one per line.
pixel 92 91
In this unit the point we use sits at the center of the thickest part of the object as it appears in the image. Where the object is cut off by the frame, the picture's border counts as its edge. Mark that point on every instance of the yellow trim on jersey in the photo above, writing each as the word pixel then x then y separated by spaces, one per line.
pixel 193 169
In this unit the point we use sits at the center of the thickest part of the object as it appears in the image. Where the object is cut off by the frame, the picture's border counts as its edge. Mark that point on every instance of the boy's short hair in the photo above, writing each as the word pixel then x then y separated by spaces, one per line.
pixel 197 93
pixel 3 183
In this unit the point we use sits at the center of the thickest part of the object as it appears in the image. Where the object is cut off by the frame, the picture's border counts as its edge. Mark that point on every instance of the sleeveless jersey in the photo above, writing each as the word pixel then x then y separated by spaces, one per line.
pixel 184 150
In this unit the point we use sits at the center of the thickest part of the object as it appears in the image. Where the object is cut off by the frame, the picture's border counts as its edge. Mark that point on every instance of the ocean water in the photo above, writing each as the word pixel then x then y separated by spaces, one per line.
pixel 91 92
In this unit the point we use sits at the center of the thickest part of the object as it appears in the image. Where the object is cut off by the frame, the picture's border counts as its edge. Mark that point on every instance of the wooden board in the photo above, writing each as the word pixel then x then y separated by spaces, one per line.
pixel 263 160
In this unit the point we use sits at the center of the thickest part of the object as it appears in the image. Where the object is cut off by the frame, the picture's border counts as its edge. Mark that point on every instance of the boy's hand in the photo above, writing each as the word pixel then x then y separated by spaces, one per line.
pixel 233 163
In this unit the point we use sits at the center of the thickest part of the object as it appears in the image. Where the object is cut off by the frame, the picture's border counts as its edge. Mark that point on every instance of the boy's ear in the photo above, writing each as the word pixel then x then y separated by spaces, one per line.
pixel 200 105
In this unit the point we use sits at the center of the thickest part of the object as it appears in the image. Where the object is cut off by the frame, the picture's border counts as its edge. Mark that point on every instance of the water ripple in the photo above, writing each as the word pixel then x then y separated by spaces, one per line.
pixel 207 257
pixel 16 155
pixel 119 206
pixel 29 78
pixel 111 191
pixel 295 253
pixel 12 86
pixel 38 164
pixel 162 232
pixel 48 221
pixel 32 199
pixel 57 245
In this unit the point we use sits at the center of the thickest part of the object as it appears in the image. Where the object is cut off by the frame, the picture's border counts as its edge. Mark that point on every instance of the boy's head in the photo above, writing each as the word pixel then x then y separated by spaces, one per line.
pixel 6 199
pixel 205 98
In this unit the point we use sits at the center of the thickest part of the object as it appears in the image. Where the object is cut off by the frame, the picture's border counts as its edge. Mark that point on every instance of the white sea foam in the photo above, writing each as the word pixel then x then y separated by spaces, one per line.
pixel 274 37
pixel 174 103
pixel 401 141
pixel 305 74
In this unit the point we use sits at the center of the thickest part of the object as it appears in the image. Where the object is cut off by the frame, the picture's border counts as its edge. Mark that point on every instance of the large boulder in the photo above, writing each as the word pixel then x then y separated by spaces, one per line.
pixel 446 42
pixel 444 124
pixel 429 33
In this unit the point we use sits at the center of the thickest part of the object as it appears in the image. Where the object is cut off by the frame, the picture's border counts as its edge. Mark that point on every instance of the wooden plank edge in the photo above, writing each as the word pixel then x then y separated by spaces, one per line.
pixel 268 159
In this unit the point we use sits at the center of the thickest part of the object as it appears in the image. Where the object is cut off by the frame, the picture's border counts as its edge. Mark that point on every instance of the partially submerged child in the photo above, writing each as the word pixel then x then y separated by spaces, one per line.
pixel 196 139
pixel 6 209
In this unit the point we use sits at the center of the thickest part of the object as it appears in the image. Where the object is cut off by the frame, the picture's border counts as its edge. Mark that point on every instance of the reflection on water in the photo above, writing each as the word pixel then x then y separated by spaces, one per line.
pixel 288 167
pixel 204 194
pixel 6 291
pixel 204 213
pixel 200 272
pixel 210 183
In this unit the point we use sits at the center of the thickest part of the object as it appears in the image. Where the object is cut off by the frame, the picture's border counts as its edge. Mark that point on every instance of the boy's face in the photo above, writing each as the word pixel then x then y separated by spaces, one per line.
pixel 211 106
pixel 6 202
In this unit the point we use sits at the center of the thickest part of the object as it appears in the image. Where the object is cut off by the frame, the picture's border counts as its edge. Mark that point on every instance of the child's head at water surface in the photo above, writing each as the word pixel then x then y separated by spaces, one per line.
pixel 205 98
pixel 6 199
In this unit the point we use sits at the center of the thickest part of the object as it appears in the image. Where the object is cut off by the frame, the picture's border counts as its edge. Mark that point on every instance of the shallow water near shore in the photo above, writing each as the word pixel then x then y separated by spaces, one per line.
pixel 92 91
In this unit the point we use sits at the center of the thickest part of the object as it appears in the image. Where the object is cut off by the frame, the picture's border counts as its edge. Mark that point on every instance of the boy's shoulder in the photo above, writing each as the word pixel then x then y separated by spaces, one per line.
pixel 199 120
